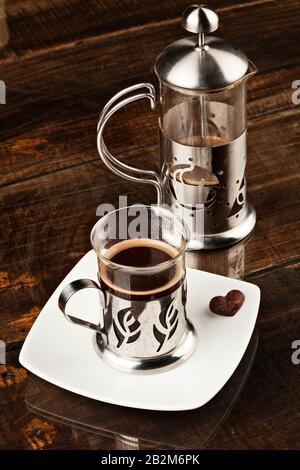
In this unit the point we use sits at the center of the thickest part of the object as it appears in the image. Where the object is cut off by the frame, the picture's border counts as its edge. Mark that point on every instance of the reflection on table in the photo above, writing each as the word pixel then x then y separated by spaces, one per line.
pixel 126 428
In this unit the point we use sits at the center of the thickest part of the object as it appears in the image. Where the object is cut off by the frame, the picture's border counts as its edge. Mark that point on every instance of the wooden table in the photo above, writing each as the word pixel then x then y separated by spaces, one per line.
pixel 61 60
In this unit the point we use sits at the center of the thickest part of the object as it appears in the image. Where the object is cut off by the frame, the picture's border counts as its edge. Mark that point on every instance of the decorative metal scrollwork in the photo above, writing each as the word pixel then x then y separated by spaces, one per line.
pixel 127 328
pixel 168 319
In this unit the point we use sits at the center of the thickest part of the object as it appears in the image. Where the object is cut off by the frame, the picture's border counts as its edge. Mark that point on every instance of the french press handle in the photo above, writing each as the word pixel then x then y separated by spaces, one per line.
pixel 116 166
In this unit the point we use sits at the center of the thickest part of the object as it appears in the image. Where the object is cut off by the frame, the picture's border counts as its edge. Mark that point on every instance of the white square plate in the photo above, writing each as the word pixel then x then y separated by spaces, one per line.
pixel 64 354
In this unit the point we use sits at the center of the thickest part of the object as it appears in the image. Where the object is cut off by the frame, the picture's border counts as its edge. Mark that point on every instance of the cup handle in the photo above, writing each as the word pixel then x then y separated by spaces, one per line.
pixel 70 290
pixel 119 168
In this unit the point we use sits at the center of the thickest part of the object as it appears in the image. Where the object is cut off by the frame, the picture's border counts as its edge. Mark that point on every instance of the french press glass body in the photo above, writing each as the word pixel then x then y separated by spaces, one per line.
pixel 203 126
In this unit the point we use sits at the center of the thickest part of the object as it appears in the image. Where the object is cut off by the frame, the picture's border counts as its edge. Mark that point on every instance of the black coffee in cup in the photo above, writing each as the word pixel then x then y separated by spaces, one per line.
pixel 124 273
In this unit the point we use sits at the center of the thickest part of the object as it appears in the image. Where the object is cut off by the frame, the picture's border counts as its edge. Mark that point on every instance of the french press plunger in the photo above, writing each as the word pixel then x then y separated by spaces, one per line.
pixel 202 133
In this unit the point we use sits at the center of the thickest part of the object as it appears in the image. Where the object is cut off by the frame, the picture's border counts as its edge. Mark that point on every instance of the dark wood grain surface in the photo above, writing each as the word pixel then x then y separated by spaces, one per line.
pixel 61 60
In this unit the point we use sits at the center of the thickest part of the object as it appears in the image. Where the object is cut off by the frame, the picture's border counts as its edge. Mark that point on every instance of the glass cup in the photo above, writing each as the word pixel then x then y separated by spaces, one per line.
pixel 142 284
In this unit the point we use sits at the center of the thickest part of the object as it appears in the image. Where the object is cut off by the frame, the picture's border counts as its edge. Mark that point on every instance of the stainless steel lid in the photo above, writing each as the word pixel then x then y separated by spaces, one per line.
pixel 201 62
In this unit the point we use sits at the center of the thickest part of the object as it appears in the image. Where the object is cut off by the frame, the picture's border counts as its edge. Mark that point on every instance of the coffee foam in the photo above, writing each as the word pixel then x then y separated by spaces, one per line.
pixel 146 242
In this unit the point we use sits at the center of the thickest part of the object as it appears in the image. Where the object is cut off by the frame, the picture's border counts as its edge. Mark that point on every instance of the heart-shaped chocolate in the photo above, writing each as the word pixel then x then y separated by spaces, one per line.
pixel 229 305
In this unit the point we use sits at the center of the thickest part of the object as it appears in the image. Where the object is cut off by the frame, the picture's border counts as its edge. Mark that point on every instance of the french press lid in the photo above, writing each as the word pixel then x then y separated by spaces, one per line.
pixel 201 62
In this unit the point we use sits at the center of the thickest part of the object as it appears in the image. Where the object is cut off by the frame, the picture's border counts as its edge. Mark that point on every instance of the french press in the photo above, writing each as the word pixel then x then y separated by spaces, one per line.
pixel 203 132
